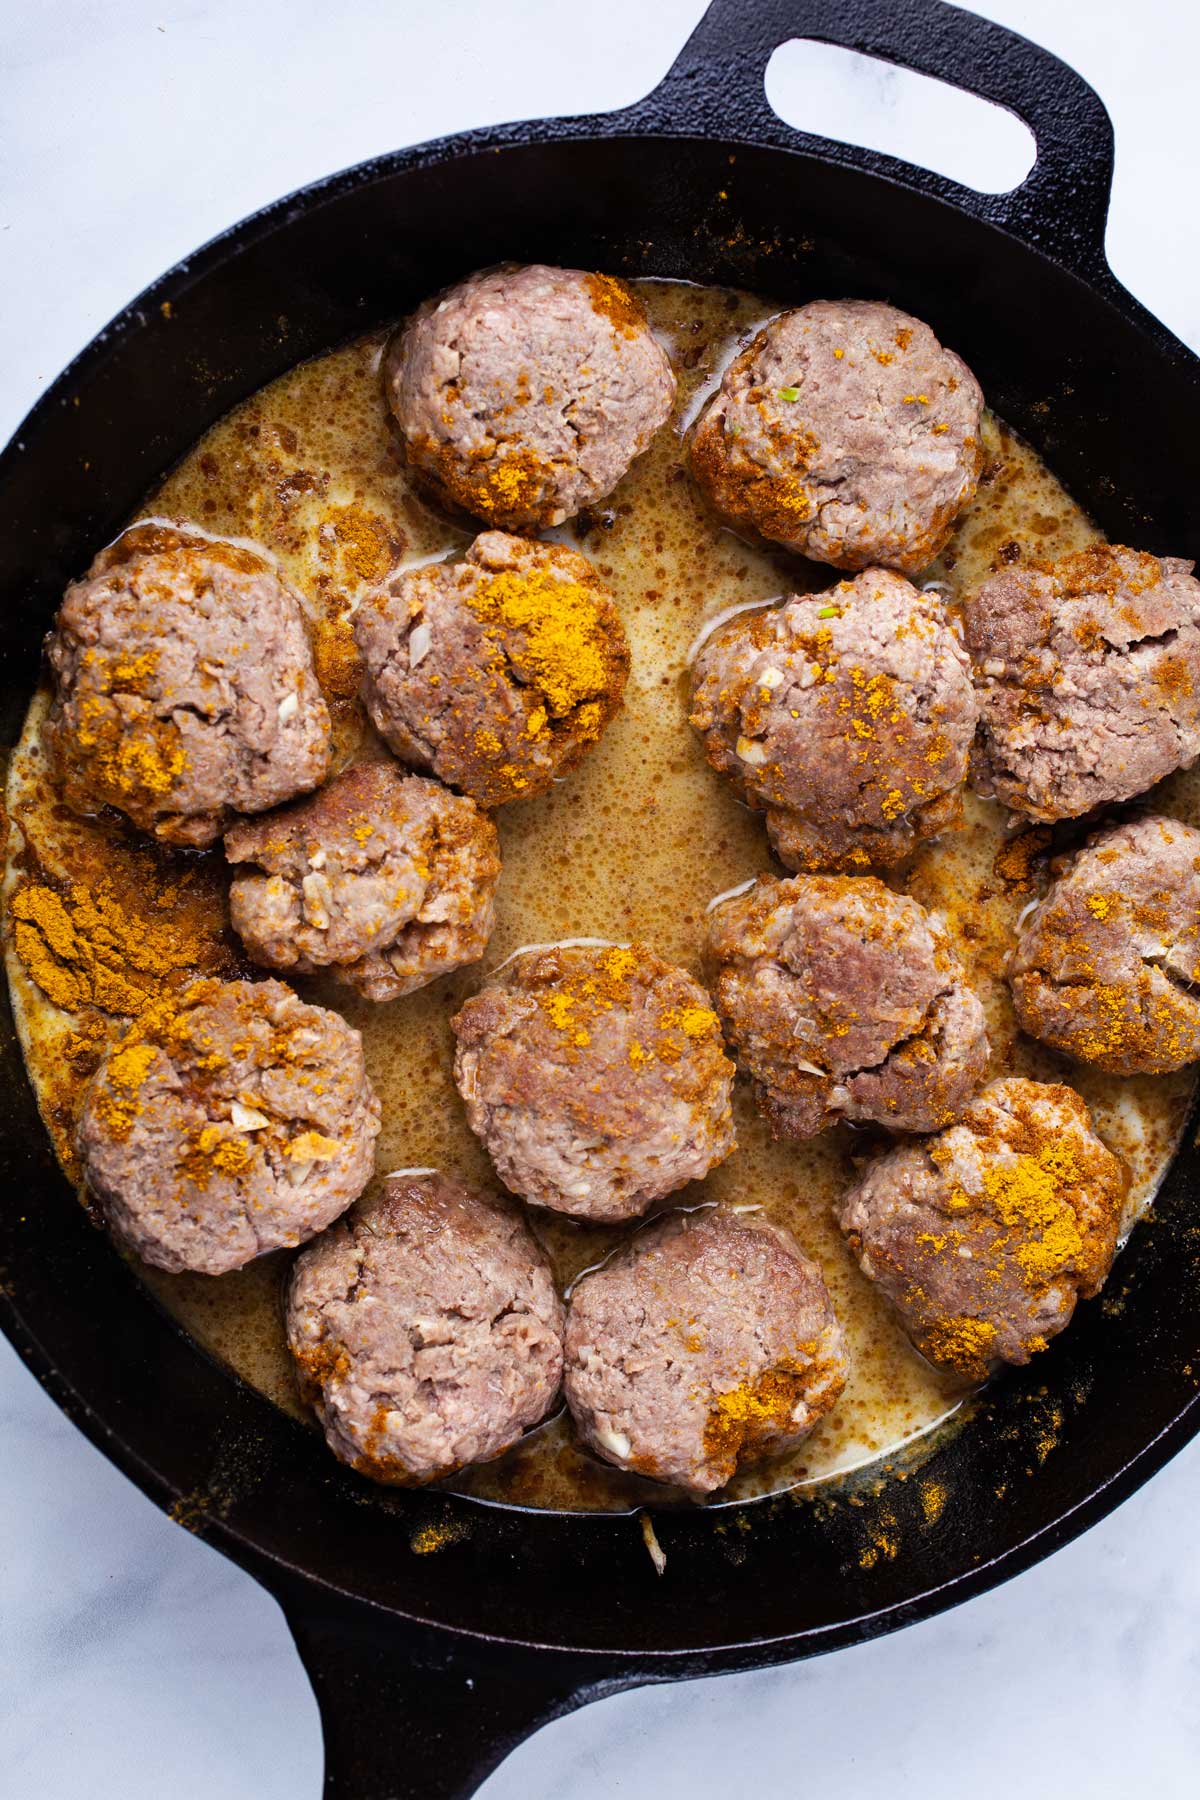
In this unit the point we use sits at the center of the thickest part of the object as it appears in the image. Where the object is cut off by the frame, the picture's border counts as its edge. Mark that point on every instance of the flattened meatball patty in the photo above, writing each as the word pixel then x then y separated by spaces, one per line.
pixel 595 1078
pixel 847 715
pixel 846 432
pixel 1107 967
pixel 1088 672
pixel 523 394
pixel 985 1236
pixel 707 1341
pixel 185 685
pixel 844 1000
pixel 226 1123
pixel 426 1330
pixel 496 673
pixel 386 880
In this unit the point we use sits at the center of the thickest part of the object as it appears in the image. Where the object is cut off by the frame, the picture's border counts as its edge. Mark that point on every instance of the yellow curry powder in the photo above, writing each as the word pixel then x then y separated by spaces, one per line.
pixel 84 948
pixel 751 1412
pixel 614 302
pixel 1027 1194
pixel 560 643
pixel 964 1344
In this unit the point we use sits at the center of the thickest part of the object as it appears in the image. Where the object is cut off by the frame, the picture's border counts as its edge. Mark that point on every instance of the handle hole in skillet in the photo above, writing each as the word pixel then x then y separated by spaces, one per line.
pixel 859 100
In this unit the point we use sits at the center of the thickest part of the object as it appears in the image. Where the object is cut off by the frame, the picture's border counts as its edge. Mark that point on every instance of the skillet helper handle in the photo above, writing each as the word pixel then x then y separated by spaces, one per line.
pixel 1061 206
pixel 415 1717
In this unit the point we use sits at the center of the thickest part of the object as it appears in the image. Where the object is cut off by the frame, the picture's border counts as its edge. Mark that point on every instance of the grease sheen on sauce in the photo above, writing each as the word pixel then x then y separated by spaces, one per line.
pixel 634 844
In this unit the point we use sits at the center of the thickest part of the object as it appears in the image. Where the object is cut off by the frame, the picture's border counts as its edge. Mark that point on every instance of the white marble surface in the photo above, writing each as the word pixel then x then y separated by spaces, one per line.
pixel 135 1662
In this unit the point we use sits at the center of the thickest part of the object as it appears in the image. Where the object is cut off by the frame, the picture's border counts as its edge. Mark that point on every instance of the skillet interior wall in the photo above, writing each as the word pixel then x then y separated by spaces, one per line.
pixel 1040 340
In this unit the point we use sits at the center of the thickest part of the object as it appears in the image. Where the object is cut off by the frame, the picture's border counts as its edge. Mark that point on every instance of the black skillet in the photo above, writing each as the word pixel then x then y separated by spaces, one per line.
pixel 430 1667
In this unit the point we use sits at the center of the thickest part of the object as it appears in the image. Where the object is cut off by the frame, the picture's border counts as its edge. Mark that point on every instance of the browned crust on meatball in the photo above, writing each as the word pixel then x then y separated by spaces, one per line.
pixel 984 1237
pixel 426 1330
pixel 185 685
pixel 846 432
pixel 847 716
pixel 1088 672
pixel 596 1078
pixel 705 1343
pixel 844 1000
pixel 1107 967
pixel 229 1121
pixel 523 394
pixel 385 879
pixel 496 673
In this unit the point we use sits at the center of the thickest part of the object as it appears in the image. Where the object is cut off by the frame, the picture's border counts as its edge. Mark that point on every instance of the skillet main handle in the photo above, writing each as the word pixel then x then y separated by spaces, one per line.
pixel 1062 205
pixel 418 1717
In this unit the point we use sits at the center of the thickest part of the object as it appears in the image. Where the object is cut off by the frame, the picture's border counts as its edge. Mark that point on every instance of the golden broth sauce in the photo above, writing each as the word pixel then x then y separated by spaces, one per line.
pixel 634 844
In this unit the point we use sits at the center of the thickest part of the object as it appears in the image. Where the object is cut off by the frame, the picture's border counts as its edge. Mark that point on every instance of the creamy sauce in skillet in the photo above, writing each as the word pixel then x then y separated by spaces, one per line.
pixel 634 844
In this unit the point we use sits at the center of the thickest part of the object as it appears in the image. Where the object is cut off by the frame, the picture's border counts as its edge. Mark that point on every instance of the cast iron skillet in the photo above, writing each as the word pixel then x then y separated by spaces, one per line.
pixel 429 1668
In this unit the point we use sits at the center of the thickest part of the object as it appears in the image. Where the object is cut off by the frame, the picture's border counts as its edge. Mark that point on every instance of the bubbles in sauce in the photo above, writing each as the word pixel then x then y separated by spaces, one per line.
pixel 635 844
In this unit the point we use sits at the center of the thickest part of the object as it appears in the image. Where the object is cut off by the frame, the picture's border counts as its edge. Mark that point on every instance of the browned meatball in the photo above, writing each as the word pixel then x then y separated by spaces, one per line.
pixel 706 1342
pixel 523 394
pixel 1088 672
pixel 844 1000
pixel 848 716
pixel 496 673
pixel 1107 967
pixel 386 880
pixel 426 1330
pixel 595 1078
pixel 985 1236
pixel 226 1123
pixel 185 685
pixel 846 432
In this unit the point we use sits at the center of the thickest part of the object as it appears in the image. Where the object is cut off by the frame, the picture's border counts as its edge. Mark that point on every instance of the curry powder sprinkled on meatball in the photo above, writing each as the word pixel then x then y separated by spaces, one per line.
pixel 563 649
pixel 965 1345
pixel 754 1412
pixel 595 1077
pixel 614 302
pixel 985 1236
pixel 495 673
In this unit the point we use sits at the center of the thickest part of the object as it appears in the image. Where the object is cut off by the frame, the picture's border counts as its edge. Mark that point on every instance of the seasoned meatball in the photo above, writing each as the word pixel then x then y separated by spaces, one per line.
pixel 185 685
pixel 426 1330
pixel 1088 672
pixel 844 1000
pixel 595 1078
pixel 1107 967
pixel 496 673
pixel 847 715
pixel 984 1237
pixel 846 432
pixel 386 880
pixel 707 1341
pixel 226 1123
pixel 523 394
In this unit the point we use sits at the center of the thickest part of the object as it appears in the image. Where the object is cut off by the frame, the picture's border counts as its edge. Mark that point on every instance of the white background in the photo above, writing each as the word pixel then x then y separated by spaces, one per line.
pixel 134 1662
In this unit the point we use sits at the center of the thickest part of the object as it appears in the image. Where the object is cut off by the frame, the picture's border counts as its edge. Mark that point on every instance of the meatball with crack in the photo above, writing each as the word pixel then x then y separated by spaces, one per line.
pixel 984 1237
pixel 497 673
pixel 845 432
pixel 185 685
pixel 848 716
pixel 228 1121
pixel 844 1000
pixel 426 1330
pixel 1088 672
pixel 387 880
pixel 595 1078
pixel 1107 966
pixel 523 394
pixel 706 1342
